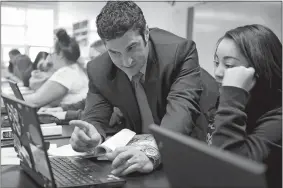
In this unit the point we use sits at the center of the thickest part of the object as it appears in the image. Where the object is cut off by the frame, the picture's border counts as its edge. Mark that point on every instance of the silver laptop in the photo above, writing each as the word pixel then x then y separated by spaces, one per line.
pixel 189 163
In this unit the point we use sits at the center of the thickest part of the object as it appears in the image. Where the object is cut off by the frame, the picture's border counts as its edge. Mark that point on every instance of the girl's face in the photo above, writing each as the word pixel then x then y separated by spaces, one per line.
pixel 53 62
pixel 40 63
pixel 227 55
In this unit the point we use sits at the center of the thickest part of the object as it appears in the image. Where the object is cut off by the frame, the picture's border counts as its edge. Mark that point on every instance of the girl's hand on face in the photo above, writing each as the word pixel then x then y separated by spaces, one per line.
pixel 240 77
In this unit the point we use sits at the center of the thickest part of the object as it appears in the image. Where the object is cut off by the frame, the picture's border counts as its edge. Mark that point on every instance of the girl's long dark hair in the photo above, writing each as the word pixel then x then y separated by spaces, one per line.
pixel 40 55
pixel 263 50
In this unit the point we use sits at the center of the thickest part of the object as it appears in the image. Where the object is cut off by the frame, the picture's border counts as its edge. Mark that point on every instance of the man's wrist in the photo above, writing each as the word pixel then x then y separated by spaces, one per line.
pixel 153 155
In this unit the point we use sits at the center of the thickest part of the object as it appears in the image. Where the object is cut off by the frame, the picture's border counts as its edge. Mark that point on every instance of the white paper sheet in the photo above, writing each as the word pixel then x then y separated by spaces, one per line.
pixel 121 139
pixel 9 155
pixel 65 150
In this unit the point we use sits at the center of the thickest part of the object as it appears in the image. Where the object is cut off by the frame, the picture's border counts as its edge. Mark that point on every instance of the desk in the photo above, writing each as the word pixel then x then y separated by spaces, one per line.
pixel 15 177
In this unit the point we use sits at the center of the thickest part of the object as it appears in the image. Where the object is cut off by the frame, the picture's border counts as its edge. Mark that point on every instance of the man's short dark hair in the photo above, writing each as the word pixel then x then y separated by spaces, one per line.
pixel 118 17
pixel 14 52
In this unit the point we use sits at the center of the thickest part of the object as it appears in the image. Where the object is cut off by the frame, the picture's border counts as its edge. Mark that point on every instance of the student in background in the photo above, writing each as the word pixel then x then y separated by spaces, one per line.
pixel 74 111
pixel 248 117
pixel 40 57
pixel 38 75
pixel 69 82
pixel 20 67
pixel 97 48
pixel 12 54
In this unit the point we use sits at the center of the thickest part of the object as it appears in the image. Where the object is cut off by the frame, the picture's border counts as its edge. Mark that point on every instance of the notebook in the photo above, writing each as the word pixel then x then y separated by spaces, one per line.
pixel 53 171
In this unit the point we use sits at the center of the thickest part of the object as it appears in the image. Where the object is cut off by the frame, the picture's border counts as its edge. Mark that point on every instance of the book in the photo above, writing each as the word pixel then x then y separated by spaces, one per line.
pixel 125 137
pixel 47 130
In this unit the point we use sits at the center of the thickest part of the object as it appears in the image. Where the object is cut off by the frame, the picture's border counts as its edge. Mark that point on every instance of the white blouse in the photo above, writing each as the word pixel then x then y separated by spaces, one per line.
pixel 75 80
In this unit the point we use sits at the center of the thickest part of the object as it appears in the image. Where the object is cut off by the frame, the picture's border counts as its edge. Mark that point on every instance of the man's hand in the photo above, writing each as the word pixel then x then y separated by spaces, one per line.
pixel 240 77
pixel 85 136
pixel 129 159
pixel 116 117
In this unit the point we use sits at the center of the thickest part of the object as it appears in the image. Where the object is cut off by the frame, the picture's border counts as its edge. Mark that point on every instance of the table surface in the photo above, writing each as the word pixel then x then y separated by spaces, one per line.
pixel 15 177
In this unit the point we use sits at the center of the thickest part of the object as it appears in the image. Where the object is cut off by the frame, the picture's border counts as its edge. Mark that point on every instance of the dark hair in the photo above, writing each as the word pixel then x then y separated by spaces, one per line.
pixel 41 55
pixel 23 68
pixel 67 45
pixel 263 50
pixel 118 17
pixel 14 52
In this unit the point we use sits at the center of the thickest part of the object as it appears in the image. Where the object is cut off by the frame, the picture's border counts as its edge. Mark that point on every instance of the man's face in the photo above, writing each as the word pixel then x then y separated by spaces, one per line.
pixel 129 52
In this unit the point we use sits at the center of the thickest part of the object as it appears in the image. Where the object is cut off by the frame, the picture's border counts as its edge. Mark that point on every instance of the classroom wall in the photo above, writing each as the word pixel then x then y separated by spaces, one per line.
pixel 213 19
pixel 157 14
pixel 210 20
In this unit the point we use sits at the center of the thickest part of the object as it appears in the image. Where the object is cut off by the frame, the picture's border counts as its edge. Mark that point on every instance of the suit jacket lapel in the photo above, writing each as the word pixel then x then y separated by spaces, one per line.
pixel 151 84
pixel 126 99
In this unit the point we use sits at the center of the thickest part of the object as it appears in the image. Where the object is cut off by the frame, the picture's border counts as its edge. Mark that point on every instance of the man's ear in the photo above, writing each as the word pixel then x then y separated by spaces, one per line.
pixel 146 34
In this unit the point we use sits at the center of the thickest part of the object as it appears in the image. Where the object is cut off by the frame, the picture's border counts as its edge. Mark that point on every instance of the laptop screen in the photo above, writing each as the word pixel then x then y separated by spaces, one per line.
pixel 28 141
pixel 16 90
pixel 195 164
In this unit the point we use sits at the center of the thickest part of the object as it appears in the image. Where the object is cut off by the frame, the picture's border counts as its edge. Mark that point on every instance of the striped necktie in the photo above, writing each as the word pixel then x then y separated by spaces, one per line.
pixel 145 112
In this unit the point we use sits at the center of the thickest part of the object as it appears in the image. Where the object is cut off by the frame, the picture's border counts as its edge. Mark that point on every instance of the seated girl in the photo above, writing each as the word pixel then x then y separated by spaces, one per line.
pixel 69 83
pixel 38 76
pixel 248 116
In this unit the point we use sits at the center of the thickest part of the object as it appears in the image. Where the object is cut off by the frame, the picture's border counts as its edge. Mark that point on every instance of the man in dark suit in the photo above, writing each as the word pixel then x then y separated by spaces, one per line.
pixel 166 92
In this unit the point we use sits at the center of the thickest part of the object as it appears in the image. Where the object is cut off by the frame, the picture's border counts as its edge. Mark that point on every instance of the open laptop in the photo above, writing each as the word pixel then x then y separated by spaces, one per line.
pixel 54 171
pixel 16 90
pixel 189 163
pixel 43 118
pixel 18 94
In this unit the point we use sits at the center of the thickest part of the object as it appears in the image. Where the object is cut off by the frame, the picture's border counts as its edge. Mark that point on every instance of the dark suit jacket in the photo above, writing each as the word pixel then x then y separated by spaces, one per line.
pixel 172 85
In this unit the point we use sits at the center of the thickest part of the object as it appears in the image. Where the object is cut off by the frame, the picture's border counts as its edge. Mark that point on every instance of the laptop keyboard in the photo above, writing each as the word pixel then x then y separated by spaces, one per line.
pixel 69 172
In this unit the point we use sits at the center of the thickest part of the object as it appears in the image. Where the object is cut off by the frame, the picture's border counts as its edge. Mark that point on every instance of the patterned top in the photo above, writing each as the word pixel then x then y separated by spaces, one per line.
pixel 210 130
pixel 211 127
